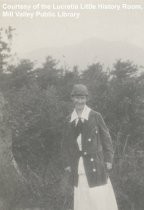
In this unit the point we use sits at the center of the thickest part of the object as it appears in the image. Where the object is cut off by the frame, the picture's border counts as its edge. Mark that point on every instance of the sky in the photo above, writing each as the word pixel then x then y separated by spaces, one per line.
pixel 109 25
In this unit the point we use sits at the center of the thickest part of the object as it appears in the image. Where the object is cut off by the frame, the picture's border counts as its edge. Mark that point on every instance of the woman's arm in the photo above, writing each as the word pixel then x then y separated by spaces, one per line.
pixel 106 142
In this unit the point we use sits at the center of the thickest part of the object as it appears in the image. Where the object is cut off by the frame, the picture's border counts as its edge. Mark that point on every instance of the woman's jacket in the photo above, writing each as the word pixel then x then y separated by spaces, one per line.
pixel 97 149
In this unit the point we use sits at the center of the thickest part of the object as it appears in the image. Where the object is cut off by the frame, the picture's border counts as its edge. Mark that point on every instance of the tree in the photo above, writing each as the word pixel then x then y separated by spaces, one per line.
pixel 49 73
pixel 6 36
pixel 66 83
pixel 123 97
pixel 20 75
pixel 5 46
pixel 124 110
pixel 97 81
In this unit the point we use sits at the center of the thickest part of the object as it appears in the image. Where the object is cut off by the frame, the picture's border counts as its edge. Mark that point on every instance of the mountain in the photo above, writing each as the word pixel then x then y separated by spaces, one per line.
pixel 88 52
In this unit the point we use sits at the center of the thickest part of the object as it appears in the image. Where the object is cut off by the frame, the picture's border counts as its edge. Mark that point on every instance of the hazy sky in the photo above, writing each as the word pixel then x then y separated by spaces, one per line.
pixel 111 25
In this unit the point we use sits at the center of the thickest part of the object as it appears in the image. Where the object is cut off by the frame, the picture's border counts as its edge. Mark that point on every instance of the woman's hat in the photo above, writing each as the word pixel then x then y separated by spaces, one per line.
pixel 79 90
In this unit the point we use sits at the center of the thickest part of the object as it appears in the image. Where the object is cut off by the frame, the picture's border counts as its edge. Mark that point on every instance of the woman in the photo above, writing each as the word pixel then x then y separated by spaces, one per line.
pixel 88 155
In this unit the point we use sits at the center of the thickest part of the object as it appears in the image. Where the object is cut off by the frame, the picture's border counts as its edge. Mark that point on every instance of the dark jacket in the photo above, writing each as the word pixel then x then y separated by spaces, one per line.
pixel 96 149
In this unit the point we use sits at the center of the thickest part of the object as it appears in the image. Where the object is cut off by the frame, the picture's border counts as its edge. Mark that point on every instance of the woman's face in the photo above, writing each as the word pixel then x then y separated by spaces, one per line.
pixel 79 102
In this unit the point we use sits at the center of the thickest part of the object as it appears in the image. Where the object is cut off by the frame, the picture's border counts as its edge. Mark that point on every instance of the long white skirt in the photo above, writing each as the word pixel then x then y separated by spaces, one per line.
pixel 96 198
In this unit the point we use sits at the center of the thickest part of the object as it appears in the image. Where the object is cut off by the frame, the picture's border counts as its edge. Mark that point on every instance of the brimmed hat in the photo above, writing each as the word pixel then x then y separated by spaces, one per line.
pixel 79 90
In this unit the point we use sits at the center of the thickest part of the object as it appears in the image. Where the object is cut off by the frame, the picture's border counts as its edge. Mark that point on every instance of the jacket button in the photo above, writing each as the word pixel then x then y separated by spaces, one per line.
pixel 85 153
pixel 94 169
pixel 91 159
pixel 89 140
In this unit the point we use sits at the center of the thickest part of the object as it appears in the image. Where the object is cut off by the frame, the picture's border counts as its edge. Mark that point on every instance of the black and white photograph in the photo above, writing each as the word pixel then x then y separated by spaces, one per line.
pixel 71 104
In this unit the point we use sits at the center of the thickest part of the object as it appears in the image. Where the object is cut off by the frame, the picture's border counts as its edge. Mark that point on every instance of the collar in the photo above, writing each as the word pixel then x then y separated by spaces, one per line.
pixel 84 115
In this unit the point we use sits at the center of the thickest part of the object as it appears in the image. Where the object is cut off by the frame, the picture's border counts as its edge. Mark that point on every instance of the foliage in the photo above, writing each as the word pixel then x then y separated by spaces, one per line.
pixel 5 46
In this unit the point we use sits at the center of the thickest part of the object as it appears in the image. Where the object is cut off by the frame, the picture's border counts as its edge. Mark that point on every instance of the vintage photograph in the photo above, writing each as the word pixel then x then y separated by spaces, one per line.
pixel 71 105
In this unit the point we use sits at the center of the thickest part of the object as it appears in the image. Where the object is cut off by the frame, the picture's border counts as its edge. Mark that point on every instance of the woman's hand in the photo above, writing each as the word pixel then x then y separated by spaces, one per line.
pixel 68 169
pixel 108 165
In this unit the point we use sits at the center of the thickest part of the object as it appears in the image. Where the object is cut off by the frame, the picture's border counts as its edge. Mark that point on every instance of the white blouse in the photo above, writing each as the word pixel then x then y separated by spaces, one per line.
pixel 81 169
